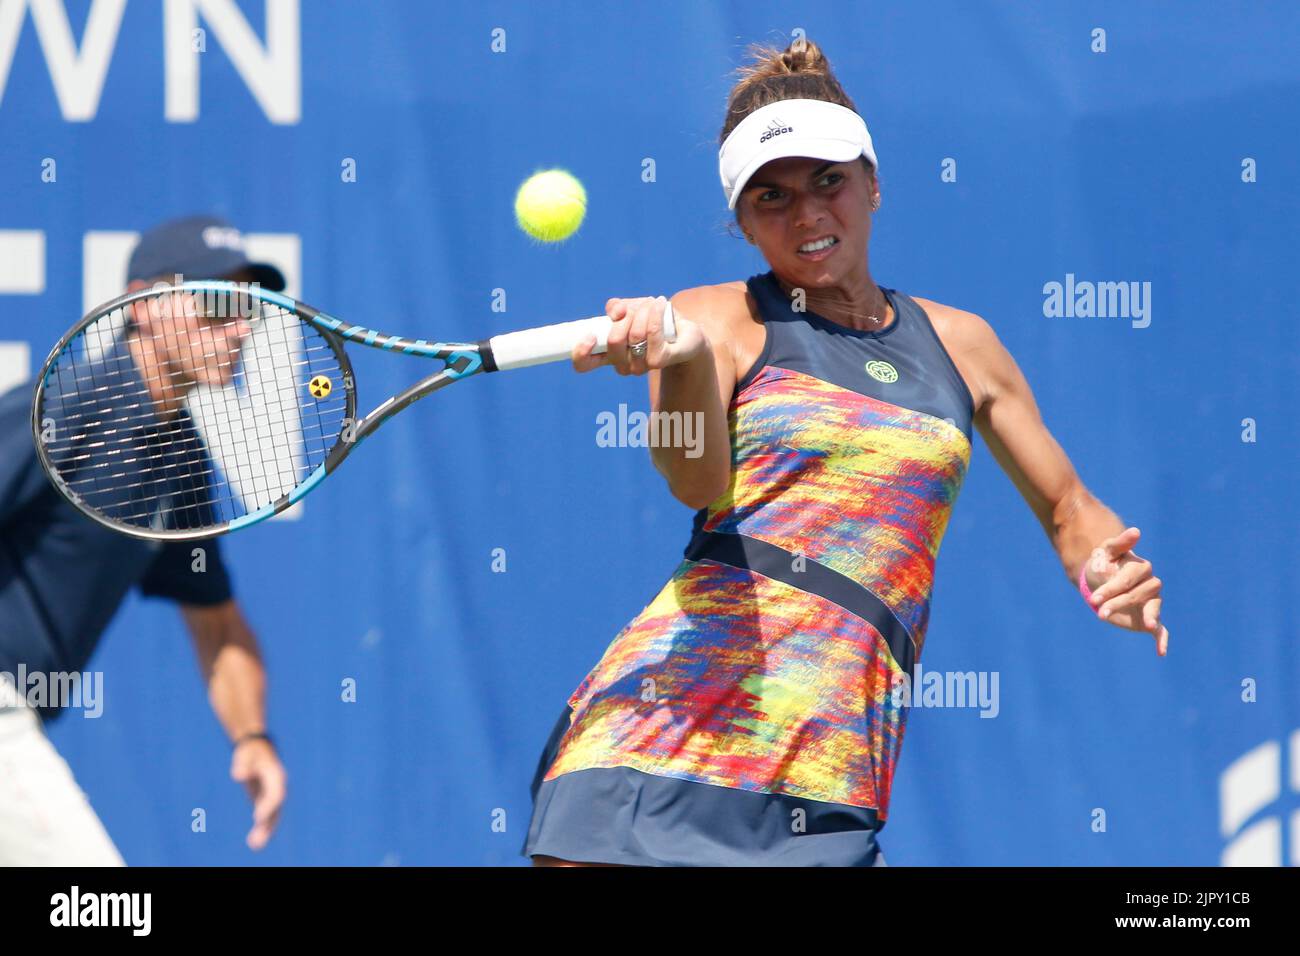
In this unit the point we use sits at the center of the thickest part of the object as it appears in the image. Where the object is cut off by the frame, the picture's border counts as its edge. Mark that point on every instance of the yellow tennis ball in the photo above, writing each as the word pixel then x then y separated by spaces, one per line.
pixel 550 205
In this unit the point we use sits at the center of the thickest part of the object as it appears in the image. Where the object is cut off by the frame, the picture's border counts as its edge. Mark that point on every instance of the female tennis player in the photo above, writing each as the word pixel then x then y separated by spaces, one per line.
pixel 748 715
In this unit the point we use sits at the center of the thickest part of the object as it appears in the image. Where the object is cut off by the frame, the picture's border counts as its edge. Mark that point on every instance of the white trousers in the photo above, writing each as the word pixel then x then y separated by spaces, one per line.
pixel 45 819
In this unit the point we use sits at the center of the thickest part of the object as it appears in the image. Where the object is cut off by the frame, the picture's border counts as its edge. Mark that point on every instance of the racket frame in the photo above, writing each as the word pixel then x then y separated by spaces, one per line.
pixel 462 360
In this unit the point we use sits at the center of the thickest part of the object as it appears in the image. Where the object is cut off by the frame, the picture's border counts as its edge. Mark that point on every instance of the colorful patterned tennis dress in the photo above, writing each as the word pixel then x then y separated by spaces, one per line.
pixel 748 715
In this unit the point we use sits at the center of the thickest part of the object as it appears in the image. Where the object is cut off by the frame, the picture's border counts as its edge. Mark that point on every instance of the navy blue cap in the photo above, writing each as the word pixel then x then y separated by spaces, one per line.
pixel 198 247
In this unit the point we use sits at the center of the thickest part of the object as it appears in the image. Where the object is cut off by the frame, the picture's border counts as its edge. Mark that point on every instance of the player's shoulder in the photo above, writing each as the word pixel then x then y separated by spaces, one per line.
pixel 716 293
pixel 956 327
pixel 722 302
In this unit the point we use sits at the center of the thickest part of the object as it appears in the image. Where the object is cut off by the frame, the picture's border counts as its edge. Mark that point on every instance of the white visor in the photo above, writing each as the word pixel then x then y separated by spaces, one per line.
pixel 812 128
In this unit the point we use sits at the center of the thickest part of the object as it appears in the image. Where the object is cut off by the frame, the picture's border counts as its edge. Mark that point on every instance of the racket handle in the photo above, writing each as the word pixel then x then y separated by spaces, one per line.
pixel 554 343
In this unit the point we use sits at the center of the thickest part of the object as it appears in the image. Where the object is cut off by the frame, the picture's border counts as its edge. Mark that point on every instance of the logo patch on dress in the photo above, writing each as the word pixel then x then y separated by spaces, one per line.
pixel 882 371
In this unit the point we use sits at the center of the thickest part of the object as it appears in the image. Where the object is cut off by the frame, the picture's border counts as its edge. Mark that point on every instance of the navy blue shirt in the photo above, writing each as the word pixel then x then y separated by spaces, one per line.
pixel 62 575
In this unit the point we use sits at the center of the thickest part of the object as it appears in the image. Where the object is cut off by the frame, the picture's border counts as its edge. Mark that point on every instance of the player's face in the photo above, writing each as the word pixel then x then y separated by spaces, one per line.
pixel 220 339
pixel 196 343
pixel 790 202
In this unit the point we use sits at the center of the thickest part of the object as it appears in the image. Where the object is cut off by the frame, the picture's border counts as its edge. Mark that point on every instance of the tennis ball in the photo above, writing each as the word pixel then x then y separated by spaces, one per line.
pixel 550 205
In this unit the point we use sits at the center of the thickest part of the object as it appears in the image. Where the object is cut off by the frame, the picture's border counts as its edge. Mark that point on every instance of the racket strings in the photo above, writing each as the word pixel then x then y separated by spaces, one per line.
pixel 166 415
pixel 90 455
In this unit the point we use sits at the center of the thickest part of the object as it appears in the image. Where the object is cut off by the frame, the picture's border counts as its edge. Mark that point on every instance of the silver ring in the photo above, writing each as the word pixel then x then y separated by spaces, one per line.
pixel 637 349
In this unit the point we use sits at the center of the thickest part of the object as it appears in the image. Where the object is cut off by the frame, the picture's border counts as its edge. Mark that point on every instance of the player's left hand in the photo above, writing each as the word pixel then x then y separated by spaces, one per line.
pixel 1124 591
pixel 257 767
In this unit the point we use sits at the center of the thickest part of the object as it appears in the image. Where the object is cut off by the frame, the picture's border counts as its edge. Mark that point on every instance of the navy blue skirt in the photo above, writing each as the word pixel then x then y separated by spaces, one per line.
pixel 621 815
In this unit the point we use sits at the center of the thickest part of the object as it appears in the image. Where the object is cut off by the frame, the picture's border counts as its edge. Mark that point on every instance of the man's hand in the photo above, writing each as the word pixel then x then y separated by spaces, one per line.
pixel 257 767
pixel 1124 591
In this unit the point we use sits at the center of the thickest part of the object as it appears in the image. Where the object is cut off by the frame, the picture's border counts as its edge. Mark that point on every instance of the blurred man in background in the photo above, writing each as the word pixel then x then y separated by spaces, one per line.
pixel 63 577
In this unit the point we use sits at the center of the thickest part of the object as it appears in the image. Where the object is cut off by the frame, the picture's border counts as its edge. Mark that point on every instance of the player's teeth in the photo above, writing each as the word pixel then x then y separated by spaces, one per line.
pixel 819 245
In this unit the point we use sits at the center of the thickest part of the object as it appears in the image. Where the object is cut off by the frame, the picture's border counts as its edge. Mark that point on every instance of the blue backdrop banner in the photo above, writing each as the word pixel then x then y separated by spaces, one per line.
pixel 424 620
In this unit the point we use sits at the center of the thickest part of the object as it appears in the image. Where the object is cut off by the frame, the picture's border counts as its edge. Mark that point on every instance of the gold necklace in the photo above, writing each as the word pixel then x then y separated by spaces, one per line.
pixel 872 318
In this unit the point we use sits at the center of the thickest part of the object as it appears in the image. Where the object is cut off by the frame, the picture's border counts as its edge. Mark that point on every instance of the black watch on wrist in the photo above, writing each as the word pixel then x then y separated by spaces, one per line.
pixel 255 735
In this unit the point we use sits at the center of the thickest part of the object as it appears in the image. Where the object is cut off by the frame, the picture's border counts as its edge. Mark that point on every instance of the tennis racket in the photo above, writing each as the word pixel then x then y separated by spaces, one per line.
pixel 187 411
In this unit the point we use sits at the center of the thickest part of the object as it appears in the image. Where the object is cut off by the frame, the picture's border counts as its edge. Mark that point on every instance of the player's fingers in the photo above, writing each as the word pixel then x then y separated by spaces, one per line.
pixel 1139 594
pixel 267 788
pixel 266 827
pixel 616 343
pixel 267 809
pixel 620 335
pixel 1151 614
pixel 281 789
pixel 583 360
pixel 654 324
pixel 639 335
pixel 1121 543
pixel 1151 618
pixel 622 320
pixel 1126 578
pixel 1100 564
pixel 258 836
pixel 267 801
pixel 658 349
pixel 623 312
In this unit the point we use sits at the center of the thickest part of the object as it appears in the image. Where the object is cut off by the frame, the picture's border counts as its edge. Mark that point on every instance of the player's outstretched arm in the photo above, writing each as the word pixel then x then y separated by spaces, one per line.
pixel 1088 537
pixel 231 664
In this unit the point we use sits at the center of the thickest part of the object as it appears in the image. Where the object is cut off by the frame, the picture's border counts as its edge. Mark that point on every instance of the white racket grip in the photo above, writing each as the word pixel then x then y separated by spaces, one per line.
pixel 554 343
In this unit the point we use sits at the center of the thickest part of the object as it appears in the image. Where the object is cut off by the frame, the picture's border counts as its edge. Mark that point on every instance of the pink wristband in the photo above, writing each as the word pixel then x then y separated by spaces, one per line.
pixel 1083 584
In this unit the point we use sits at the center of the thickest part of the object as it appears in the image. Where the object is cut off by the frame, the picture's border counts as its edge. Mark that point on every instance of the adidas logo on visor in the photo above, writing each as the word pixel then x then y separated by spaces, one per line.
pixel 775 128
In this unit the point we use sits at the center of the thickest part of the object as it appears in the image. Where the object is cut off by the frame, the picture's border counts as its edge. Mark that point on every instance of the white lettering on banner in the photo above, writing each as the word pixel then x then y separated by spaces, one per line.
pixel 22 272
pixel 104 258
pixel 15 364
pixel 22 262
pixel 1253 783
pixel 78 76
pixel 272 72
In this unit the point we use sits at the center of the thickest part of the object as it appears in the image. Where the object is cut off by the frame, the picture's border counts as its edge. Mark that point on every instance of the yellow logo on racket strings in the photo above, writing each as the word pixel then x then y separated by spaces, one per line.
pixel 320 386
pixel 882 372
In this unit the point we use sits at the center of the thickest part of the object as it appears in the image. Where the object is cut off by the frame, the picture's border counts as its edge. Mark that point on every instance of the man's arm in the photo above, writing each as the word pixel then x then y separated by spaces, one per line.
pixel 1080 528
pixel 231 664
